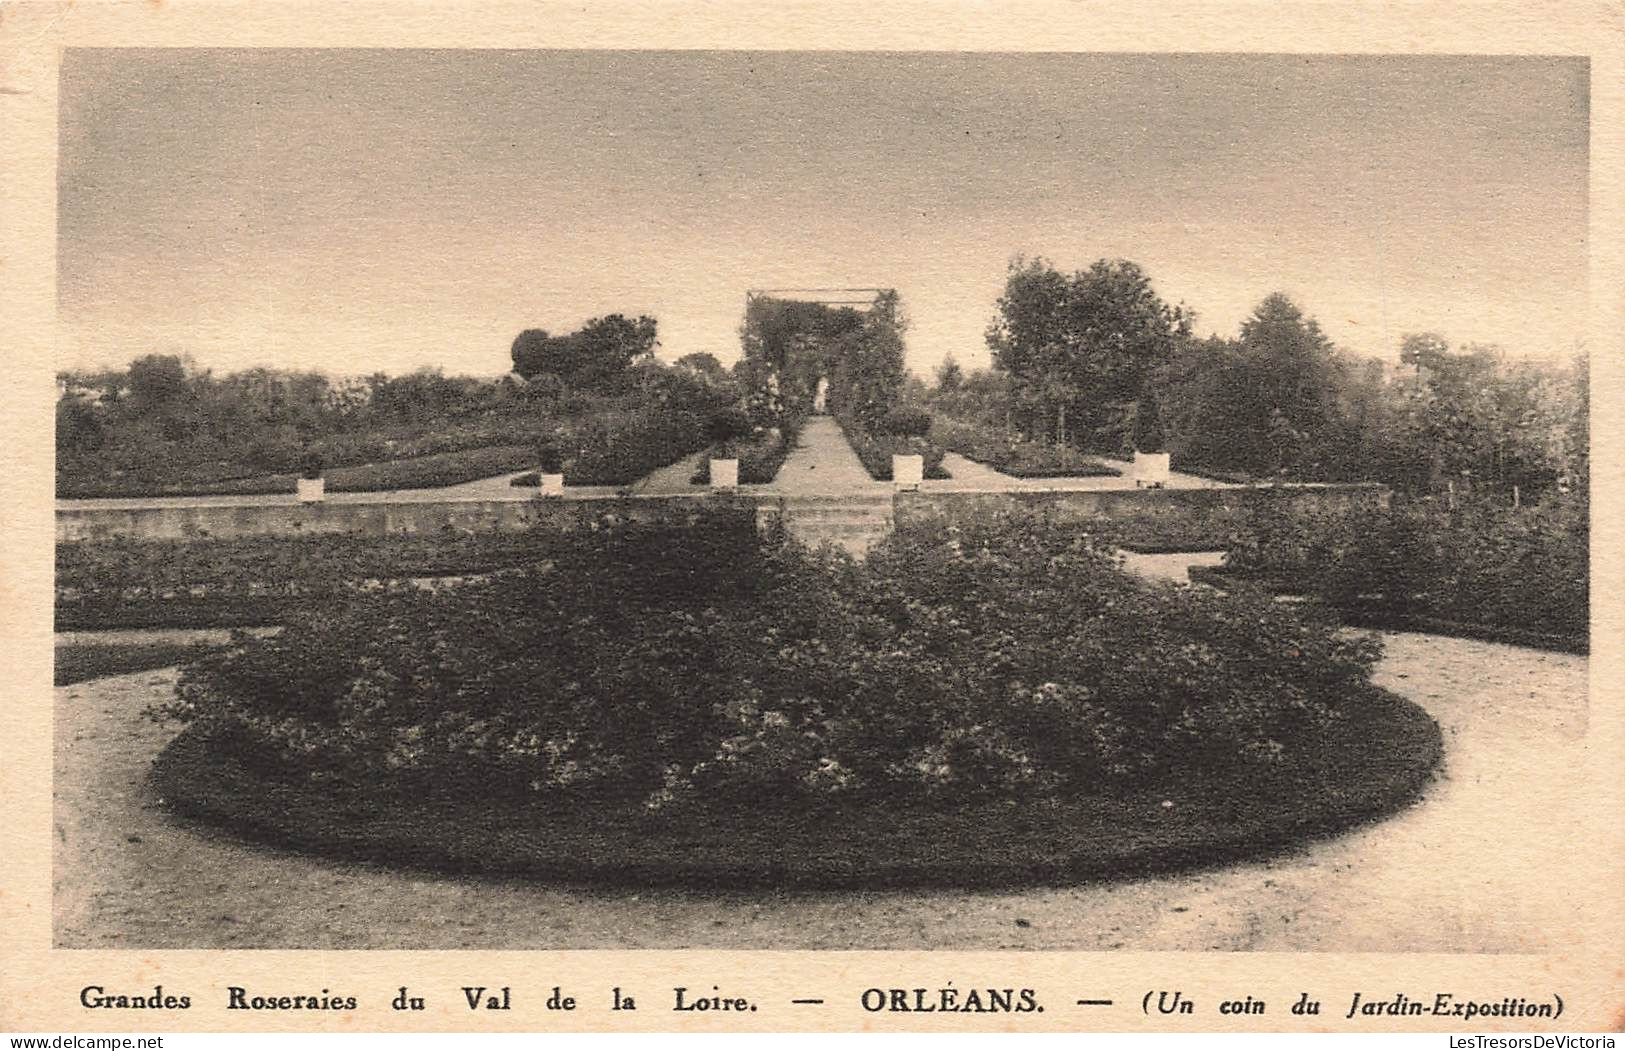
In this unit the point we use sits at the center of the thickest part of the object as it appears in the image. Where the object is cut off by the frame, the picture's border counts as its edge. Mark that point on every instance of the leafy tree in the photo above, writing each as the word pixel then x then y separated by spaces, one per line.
pixel 870 371
pixel 1475 419
pixel 705 365
pixel 602 349
pixel 156 381
pixel 609 345
pixel 1149 436
pixel 950 377
pixel 1291 381
pixel 530 352
pixel 78 425
pixel 1080 348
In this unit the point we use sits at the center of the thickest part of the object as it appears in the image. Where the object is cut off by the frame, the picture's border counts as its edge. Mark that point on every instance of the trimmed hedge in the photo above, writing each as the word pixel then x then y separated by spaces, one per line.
pixel 1377 614
pixel 620 448
pixel 434 471
pixel 876 450
pixel 759 459
pixel 430 472
pixel 617 449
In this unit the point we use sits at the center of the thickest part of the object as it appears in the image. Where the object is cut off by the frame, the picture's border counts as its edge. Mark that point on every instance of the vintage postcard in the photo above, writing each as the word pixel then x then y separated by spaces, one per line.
pixel 701 517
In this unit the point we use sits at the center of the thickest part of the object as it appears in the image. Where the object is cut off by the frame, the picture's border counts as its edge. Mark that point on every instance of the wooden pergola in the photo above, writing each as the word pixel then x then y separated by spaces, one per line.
pixel 829 297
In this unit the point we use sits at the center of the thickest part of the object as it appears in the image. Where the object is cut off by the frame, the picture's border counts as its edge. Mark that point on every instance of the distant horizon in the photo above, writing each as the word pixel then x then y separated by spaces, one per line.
pixel 363 211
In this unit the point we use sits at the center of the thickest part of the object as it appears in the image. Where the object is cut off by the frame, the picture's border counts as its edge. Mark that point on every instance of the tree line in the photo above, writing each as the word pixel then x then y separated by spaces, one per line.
pixel 1081 359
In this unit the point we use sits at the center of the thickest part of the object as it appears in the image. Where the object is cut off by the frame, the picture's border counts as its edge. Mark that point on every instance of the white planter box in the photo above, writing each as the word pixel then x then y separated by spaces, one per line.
pixel 312 490
pixel 907 472
pixel 1151 469
pixel 550 485
pixel 724 474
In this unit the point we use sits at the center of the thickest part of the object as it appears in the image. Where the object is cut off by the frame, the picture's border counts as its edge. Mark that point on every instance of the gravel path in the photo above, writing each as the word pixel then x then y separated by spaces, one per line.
pixel 1438 877
pixel 1174 566
pixel 136 636
pixel 823 463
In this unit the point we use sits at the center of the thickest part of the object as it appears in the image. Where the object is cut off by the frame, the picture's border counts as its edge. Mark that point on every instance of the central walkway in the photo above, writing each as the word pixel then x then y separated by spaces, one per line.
pixel 825 494
pixel 823 464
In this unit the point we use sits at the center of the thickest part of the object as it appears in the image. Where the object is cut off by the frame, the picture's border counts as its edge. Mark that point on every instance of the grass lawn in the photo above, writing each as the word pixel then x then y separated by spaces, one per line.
pixel 1368 764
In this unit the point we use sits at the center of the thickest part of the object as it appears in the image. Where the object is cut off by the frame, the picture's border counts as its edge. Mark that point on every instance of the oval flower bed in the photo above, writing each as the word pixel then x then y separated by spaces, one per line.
pixel 987 703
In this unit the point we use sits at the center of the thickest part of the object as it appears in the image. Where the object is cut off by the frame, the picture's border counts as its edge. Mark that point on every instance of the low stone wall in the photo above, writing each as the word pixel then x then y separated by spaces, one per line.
pixel 228 521
pixel 1145 505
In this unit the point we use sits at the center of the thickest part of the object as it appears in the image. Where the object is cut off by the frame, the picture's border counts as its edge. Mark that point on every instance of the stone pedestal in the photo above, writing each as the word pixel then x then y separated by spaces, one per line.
pixel 1151 470
pixel 907 472
pixel 724 474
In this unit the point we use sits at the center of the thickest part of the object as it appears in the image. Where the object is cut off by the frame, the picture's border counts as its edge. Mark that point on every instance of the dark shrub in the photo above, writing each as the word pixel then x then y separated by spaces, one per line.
pixel 907 422
pixel 727 426
pixel 760 458
pixel 618 448
pixel 311 465
pixel 550 458
pixel 277 450
pixel 1149 436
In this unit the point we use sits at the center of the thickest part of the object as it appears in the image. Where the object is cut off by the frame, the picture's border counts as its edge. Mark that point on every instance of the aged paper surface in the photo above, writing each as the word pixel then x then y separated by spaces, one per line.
pixel 763 948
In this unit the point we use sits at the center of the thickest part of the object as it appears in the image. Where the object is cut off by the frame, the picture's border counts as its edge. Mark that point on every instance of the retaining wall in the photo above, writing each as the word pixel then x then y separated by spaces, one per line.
pixel 226 521
pixel 1141 504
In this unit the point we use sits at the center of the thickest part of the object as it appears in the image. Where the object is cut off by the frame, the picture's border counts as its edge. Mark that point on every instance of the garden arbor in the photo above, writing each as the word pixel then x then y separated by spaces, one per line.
pixel 850 337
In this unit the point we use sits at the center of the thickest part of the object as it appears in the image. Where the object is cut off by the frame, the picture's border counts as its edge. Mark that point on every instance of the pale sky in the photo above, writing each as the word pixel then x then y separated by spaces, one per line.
pixel 362 210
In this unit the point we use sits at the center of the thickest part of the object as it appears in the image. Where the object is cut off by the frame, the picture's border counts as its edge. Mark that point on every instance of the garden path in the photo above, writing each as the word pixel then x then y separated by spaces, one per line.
pixel 673 478
pixel 822 463
pixel 138 636
pixel 1450 874
pixel 497 487
pixel 1173 566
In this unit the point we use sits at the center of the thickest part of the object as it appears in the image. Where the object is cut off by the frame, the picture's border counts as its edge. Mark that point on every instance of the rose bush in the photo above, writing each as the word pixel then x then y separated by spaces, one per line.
pixel 1005 656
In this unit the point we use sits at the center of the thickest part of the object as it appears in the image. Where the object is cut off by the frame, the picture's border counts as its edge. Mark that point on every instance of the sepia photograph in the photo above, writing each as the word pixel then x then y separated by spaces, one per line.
pixel 820 500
